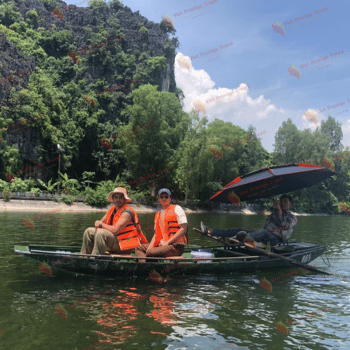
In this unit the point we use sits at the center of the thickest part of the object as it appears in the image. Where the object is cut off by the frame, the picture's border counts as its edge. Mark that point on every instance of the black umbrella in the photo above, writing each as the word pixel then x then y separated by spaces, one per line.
pixel 272 181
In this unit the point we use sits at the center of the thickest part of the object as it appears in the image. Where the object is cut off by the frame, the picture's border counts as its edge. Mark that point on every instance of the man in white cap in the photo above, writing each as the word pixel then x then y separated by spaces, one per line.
pixel 170 226
pixel 119 230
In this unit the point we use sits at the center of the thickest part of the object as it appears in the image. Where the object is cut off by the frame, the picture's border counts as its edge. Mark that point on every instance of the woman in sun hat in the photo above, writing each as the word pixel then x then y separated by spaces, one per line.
pixel 119 230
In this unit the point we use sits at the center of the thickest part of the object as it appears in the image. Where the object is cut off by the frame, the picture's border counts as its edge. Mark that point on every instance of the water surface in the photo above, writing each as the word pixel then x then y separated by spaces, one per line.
pixel 199 312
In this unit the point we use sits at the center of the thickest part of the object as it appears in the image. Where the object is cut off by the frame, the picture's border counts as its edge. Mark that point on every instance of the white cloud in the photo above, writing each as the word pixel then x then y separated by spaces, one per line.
pixel 234 105
pixel 346 130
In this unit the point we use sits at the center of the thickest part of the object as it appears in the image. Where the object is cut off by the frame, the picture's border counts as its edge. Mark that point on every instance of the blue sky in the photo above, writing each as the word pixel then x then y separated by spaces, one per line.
pixel 253 69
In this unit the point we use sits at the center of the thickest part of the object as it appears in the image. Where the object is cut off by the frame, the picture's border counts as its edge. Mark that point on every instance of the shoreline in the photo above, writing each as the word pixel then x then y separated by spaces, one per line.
pixel 22 205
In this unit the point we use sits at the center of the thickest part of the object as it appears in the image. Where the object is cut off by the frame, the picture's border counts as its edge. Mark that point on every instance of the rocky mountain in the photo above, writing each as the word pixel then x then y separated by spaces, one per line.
pixel 47 46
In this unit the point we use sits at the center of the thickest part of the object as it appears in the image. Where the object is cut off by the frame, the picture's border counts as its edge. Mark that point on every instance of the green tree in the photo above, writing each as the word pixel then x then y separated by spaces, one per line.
pixel 340 184
pixel 332 129
pixel 192 158
pixel 312 147
pixel 254 155
pixel 286 147
pixel 9 159
pixel 9 13
pixel 32 17
pixel 152 151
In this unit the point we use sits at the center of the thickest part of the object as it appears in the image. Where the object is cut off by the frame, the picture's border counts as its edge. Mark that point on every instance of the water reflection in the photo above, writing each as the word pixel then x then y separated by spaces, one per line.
pixel 163 303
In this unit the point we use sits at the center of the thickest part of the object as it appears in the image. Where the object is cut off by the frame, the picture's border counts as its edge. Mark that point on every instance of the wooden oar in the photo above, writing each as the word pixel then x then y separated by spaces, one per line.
pixel 274 255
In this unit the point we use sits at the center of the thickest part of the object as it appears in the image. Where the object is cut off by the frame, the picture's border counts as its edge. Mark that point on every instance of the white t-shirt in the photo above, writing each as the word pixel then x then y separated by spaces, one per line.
pixel 180 214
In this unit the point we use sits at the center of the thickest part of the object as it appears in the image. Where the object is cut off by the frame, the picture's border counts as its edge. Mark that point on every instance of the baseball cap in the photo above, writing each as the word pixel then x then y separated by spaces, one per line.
pixel 164 190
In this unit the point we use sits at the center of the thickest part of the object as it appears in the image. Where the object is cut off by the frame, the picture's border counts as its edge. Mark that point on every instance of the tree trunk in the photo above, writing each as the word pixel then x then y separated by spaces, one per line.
pixel 153 190
pixel 186 194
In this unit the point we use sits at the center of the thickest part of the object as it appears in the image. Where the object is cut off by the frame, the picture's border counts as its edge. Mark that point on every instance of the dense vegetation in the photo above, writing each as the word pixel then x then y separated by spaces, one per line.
pixel 137 133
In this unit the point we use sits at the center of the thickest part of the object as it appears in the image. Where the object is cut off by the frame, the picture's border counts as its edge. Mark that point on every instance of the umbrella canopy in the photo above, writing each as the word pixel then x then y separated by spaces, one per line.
pixel 273 181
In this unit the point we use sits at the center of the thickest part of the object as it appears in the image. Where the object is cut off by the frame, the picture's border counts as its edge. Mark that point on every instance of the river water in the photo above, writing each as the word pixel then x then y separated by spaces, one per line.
pixel 69 311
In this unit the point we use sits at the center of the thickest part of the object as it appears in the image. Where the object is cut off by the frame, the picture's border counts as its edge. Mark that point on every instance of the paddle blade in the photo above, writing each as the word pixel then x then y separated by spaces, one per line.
pixel 281 327
pixel 249 241
pixel 264 283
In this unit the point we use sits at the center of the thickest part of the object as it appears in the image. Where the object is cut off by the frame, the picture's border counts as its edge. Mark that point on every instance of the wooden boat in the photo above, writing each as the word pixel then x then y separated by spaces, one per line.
pixel 225 260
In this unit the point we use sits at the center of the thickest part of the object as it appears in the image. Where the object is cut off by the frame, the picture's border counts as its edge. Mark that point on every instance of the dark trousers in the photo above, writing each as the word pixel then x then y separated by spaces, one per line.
pixel 264 236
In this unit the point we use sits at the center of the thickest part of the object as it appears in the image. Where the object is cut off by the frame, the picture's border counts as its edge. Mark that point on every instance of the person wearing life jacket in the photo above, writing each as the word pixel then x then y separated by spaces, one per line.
pixel 119 230
pixel 170 225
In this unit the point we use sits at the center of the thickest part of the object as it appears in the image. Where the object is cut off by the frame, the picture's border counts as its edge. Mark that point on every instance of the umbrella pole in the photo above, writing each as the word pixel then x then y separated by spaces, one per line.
pixel 274 255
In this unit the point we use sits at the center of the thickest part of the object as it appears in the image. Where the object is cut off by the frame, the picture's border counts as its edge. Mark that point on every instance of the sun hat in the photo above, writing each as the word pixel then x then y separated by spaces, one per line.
pixel 164 190
pixel 122 190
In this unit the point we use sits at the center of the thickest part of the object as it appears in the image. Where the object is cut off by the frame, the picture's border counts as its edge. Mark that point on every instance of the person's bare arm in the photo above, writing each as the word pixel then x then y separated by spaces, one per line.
pixel 102 221
pixel 182 231
pixel 124 219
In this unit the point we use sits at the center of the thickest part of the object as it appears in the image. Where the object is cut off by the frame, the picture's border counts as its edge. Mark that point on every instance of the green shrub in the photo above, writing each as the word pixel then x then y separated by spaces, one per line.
pixel 4 186
pixel 6 196
pixel 136 195
pixel 72 191
pixel 20 185
pixel 96 198
pixel 150 200
pixel 67 200
pixel 49 187
pixel 35 191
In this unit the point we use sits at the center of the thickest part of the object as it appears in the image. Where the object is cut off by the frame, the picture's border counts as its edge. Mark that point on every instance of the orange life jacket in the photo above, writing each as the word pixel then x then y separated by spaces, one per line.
pixel 131 232
pixel 171 227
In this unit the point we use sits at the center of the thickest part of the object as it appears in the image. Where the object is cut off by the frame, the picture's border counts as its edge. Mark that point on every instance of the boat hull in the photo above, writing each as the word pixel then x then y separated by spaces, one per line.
pixel 227 260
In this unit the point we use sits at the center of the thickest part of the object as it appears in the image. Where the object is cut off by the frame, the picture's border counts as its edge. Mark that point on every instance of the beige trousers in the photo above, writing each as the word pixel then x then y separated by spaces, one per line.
pixel 100 242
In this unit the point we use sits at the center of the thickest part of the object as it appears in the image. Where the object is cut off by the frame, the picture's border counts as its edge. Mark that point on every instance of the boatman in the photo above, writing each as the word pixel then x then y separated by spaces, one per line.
pixel 119 230
pixel 278 226
pixel 170 226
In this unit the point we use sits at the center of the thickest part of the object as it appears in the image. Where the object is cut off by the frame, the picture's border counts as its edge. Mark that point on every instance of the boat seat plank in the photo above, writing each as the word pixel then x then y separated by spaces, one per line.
pixel 119 255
